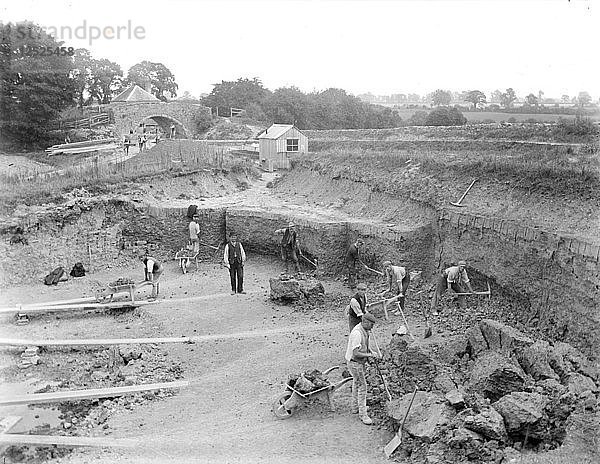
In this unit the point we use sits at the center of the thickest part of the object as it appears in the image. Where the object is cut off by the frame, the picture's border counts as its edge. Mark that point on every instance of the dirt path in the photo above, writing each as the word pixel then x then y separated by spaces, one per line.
pixel 225 415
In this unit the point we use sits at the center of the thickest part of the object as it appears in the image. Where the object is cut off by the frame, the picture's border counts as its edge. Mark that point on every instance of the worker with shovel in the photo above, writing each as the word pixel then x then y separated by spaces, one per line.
pixel 358 352
pixel 452 278
pixel 290 246
pixel 398 280
pixel 352 259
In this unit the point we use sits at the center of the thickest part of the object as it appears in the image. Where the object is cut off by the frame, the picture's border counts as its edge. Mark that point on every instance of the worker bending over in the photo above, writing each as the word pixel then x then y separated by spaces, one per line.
pixel 453 278
pixel 398 280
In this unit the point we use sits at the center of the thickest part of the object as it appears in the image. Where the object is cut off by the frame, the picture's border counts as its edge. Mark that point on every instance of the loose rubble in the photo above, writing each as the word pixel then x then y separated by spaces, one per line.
pixel 484 396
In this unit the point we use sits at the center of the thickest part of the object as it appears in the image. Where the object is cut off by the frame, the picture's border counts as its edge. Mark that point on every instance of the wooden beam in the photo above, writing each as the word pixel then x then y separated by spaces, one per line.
pixel 197 338
pixel 72 395
pixel 92 341
pixel 67 441
pixel 72 307
pixel 8 423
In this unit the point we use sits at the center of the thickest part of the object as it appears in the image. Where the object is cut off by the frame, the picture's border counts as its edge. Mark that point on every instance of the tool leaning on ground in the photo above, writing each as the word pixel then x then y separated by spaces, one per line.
pixel 458 203
pixel 397 440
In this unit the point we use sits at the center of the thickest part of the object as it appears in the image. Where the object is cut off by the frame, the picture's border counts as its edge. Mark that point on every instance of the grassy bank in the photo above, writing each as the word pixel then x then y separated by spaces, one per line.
pixel 556 171
pixel 95 175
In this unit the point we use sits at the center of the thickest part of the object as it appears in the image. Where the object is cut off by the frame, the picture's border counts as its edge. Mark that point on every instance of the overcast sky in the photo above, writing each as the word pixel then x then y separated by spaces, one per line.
pixel 382 47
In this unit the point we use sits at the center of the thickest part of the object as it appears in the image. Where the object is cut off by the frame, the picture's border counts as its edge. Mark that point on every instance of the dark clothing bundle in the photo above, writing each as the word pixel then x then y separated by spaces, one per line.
pixel 78 270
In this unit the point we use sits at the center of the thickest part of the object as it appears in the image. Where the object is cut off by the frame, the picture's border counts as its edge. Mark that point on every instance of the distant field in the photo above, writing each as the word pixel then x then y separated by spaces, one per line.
pixel 499 117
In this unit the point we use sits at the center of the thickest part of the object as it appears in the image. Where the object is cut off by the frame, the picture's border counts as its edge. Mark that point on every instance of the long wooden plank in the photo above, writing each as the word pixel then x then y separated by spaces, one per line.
pixel 82 306
pixel 67 441
pixel 93 342
pixel 197 338
pixel 72 395
pixel 59 302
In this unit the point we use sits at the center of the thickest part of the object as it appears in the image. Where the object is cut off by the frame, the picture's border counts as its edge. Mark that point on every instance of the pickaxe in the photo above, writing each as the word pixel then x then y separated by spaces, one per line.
pixel 370 269
pixel 308 260
pixel 464 195
pixel 488 293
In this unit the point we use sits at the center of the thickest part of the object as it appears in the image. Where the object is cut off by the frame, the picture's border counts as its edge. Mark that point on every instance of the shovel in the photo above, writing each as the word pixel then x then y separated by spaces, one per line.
pixel 464 195
pixel 397 440
pixel 308 260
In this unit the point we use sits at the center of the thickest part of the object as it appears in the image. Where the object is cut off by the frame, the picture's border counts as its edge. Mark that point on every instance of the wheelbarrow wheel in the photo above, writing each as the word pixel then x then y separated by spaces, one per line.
pixel 279 409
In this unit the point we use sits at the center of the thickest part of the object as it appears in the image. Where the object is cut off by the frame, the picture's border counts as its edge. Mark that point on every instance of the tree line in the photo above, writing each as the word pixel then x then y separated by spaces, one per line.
pixel 329 109
pixel 504 99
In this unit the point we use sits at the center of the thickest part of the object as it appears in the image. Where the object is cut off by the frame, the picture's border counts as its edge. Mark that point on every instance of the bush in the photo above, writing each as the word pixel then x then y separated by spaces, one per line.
pixel 579 128
pixel 512 120
pixel 445 117
pixel 202 122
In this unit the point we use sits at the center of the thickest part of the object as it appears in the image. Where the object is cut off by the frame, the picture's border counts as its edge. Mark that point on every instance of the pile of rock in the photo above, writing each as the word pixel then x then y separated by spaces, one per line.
pixel 485 395
pixel 288 289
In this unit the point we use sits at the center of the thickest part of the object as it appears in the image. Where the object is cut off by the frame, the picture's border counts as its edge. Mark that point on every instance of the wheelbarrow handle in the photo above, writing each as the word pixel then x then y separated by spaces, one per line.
pixel 330 369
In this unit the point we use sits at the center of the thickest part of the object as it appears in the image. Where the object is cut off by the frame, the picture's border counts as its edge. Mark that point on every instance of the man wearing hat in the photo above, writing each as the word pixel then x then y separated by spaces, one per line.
pixel 452 278
pixel 352 258
pixel 358 352
pixel 290 246
pixel 398 280
pixel 358 306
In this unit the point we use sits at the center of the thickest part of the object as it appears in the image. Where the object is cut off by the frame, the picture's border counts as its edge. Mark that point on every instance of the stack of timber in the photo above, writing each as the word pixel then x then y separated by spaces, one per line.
pixel 82 147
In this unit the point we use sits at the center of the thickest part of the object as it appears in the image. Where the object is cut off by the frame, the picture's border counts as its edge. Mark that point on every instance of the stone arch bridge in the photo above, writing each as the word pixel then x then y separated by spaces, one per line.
pixel 131 115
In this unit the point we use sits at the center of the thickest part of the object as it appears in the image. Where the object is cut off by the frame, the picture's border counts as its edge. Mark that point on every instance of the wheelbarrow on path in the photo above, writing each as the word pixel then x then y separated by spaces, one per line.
pixel 287 403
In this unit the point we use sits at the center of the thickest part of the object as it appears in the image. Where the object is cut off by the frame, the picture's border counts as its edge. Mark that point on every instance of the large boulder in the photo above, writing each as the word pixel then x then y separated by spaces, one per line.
pixel 502 337
pixel 494 376
pixel 285 289
pixel 579 383
pixel 311 288
pixel 564 359
pixel 524 413
pixel 534 360
pixel 488 423
pixel 428 415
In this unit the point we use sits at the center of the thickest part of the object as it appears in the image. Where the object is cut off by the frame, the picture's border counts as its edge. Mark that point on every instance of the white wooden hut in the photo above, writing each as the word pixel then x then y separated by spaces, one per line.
pixel 279 140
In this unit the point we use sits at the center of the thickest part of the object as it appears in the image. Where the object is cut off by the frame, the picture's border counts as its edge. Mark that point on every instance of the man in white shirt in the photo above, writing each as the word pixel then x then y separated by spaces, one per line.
pixel 398 280
pixel 452 278
pixel 194 229
pixel 152 272
pixel 358 352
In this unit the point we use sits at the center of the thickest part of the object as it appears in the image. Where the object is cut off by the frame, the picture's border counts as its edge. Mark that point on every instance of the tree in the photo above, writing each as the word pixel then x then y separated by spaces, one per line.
pixel 288 105
pixel 476 97
pixel 508 98
pixel 531 100
pixel 81 75
pixel 157 75
pixel 583 99
pixel 105 78
pixel 236 94
pixel 541 97
pixel 34 88
pixel 496 96
pixel 441 97
pixel 565 99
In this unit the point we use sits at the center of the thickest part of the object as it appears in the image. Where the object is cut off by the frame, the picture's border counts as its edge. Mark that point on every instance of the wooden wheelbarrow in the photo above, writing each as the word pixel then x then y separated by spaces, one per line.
pixel 106 295
pixel 287 403
pixel 185 256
